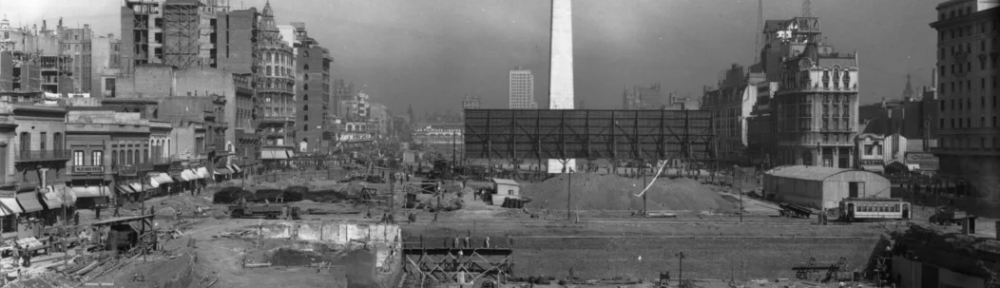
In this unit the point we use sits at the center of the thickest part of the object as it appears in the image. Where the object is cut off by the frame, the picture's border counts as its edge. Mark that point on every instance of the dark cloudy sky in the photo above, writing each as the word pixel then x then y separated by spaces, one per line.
pixel 432 52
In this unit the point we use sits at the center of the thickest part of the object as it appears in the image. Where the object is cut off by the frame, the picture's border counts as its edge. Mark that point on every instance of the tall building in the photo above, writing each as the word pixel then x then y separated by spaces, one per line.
pixel 77 45
pixel 276 91
pixel 643 98
pixel 105 66
pixel 813 112
pixel 521 91
pixel 967 130
pixel 731 103
pixel 179 33
pixel 313 90
pixel 342 92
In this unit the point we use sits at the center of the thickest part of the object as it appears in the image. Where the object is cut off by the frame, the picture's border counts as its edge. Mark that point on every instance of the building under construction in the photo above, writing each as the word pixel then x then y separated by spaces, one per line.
pixel 179 33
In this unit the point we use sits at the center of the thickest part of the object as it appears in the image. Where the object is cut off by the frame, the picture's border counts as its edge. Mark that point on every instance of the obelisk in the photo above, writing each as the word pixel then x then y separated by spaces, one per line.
pixel 561 69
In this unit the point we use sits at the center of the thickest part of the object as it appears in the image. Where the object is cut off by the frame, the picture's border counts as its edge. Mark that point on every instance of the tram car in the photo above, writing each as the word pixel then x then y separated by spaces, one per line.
pixel 859 209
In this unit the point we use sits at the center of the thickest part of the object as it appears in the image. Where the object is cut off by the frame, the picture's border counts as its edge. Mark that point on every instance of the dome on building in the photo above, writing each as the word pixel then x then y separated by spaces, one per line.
pixel 267 10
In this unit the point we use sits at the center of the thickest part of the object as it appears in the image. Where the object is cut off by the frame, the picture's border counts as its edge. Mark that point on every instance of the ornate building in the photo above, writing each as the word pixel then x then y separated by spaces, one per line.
pixel 275 86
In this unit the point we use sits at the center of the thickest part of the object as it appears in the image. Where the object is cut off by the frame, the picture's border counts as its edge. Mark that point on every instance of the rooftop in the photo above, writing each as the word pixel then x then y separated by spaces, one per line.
pixel 805 172
pixel 505 181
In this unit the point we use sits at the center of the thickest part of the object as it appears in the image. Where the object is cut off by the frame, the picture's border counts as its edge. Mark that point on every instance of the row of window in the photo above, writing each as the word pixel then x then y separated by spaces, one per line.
pixel 57 139
pixel 967 103
pixel 967 123
pixel 126 157
pixel 966 142
pixel 967 87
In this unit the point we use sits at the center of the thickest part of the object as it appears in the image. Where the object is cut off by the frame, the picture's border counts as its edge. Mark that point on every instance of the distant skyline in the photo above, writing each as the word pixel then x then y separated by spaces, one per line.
pixel 430 53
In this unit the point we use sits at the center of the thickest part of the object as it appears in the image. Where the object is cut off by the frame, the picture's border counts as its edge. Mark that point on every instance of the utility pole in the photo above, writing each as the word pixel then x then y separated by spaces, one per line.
pixel 645 212
pixel 680 269
pixel 569 193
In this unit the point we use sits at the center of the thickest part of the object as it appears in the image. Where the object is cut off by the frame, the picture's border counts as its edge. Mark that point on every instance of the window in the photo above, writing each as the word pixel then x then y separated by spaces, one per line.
pixel 57 141
pixel 305 107
pixel 145 155
pixel 305 77
pixel 130 158
pixel 305 128
pixel 25 142
pixel 305 86
pixel 78 158
pixel 97 158
pixel 305 67
pixel 305 118
pixel 305 97
pixel 42 141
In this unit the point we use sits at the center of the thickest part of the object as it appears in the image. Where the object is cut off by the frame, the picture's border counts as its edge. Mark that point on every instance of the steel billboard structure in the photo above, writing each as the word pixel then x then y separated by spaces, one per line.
pixel 589 134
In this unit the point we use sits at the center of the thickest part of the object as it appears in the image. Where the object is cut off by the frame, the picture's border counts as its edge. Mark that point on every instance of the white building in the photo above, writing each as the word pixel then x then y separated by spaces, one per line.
pixel 521 91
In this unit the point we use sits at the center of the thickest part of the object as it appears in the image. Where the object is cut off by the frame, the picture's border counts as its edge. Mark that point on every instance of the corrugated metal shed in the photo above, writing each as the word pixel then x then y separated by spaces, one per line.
pixel 505 182
pixel 805 172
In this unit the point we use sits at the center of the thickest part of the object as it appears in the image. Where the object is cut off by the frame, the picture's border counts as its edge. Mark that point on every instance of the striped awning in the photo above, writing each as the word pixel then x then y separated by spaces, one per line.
pixel 235 168
pixel 125 189
pixel 137 187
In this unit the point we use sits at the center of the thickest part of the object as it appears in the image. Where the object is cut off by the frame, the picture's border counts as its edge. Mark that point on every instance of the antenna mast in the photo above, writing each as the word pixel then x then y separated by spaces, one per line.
pixel 806 8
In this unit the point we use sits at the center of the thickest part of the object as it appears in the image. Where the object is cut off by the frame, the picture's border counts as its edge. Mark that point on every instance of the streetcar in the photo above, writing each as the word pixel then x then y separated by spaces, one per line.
pixel 857 209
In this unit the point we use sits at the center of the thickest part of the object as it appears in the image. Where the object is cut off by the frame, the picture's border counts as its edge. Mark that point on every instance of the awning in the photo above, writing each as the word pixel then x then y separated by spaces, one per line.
pixel 873 168
pixel 222 171
pixel 235 168
pixel 273 154
pixel 188 175
pixel 147 187
pixel 29 202
pixel 164 179
pixel 125 189
pixel 202 172
pixel 52 200
pixel 136 187
pixel 90 191
pixel 10 206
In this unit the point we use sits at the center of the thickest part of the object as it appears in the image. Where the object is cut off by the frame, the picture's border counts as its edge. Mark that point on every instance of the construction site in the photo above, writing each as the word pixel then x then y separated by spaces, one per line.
pixel 684 221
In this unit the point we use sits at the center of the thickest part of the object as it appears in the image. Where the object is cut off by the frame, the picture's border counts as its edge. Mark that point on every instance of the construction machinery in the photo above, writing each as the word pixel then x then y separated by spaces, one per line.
pixel 266 210
pixel 796 211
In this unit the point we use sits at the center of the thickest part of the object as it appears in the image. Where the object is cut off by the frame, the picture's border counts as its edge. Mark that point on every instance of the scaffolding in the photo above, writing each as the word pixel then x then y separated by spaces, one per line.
pixel 182 32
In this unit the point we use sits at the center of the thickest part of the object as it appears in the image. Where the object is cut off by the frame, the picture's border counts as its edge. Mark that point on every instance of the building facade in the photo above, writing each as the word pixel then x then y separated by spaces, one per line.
pixel 276 92
pixel 967 130
pixel 313 91
pixel 521 89
pixel 732 103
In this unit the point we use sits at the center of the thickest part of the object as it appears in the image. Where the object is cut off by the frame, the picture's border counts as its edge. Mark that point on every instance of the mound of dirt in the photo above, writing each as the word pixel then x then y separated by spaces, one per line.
pixel 612 192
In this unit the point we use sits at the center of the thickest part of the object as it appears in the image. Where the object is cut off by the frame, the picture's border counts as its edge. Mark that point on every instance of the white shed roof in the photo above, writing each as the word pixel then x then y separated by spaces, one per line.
pixel 815 173
pixel 505 181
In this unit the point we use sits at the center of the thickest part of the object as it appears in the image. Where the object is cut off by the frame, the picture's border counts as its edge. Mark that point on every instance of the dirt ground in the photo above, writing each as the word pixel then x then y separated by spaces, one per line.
pixel 597 242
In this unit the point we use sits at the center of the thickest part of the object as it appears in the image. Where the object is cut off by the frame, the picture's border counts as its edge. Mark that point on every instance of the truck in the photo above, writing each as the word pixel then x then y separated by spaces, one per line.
pixel 266 210
pixel 948 216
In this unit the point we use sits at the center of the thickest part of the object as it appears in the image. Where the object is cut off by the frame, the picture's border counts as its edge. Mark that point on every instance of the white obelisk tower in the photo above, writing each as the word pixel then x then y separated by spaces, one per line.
pixel 561 69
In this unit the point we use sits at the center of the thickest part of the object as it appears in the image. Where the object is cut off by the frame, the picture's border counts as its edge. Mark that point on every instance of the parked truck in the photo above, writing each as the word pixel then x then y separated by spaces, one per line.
pixel 258 210
pixel 948 216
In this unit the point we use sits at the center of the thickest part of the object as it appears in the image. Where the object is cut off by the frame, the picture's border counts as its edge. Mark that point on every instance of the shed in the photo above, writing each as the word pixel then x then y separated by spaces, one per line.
pixel 506 187
pixel 823 187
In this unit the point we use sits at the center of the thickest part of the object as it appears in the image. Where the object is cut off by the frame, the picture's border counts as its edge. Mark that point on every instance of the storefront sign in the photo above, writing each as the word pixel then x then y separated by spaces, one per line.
pixel 127 170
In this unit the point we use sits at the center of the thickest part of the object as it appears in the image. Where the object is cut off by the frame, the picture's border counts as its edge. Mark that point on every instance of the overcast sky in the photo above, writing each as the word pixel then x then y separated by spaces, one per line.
pixel 430 53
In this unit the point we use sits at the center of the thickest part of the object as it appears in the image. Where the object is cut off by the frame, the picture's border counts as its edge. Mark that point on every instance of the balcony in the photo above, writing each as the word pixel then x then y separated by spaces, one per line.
pixel 41 155
pixel 276 119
